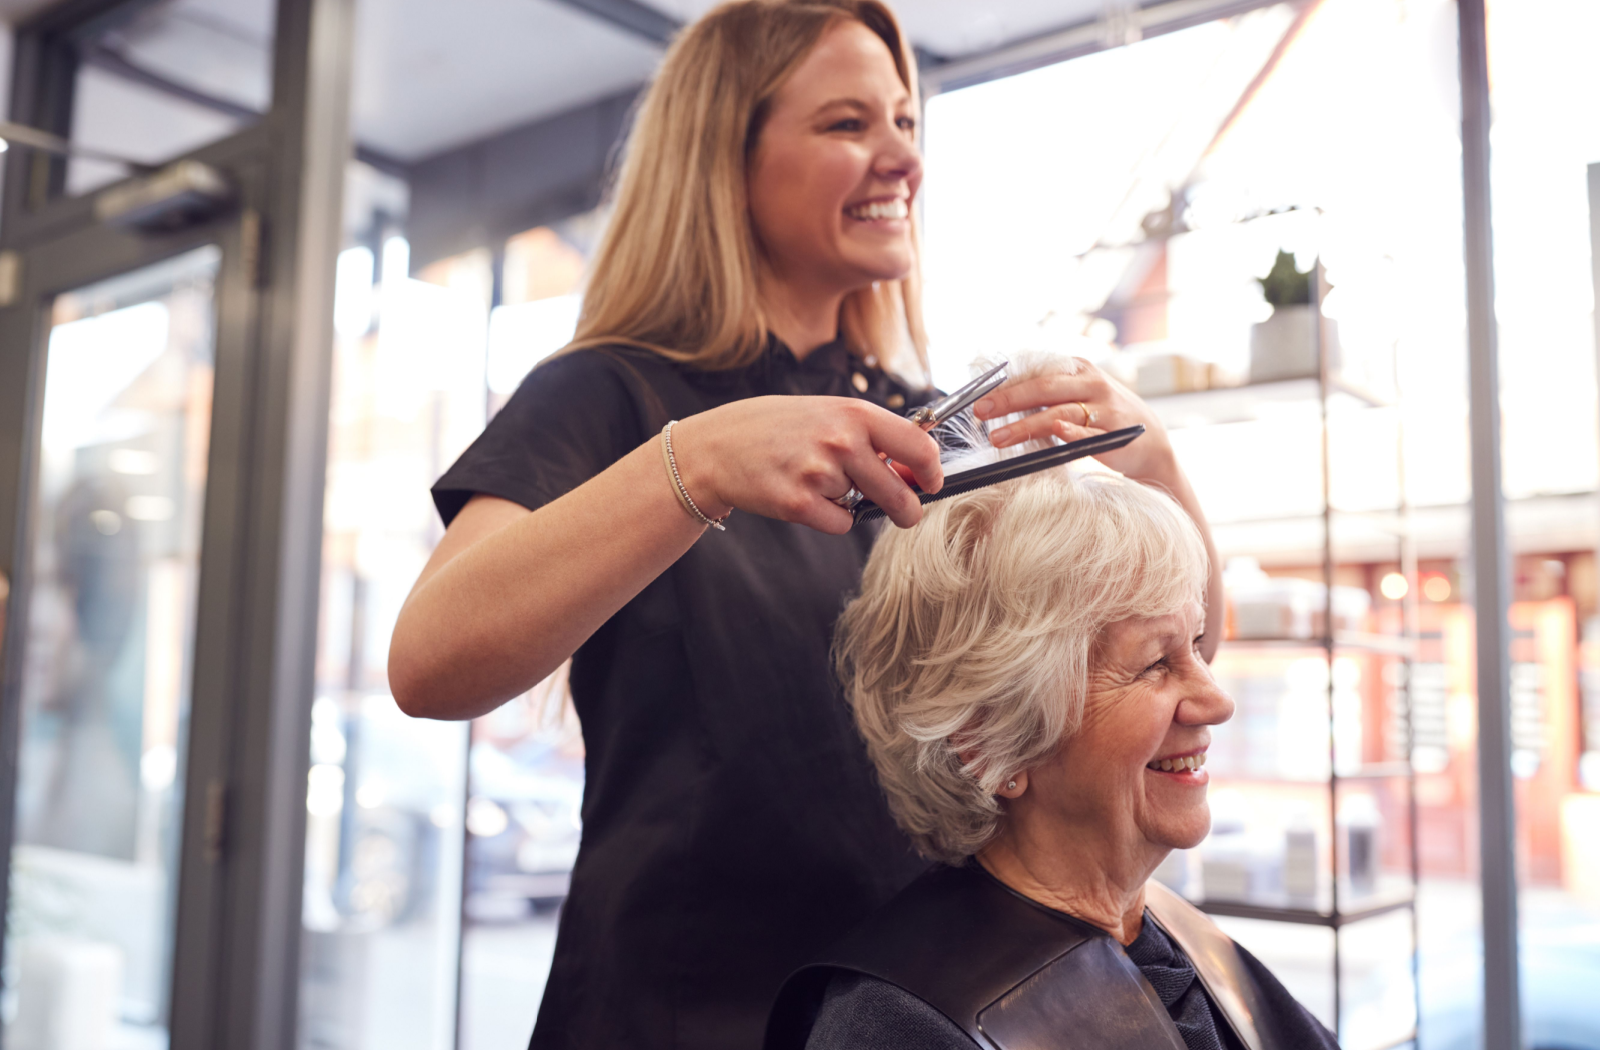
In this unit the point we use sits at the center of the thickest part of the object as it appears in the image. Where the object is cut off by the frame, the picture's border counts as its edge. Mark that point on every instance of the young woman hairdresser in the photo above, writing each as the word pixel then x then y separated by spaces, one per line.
pixel 758 283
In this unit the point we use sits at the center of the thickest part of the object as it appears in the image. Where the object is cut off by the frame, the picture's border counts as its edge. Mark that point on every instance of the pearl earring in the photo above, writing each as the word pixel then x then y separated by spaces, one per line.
pixel 1011 785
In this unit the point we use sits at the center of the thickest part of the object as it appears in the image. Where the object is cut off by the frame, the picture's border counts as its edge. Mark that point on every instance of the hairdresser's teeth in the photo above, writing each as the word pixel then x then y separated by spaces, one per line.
pixel 895 209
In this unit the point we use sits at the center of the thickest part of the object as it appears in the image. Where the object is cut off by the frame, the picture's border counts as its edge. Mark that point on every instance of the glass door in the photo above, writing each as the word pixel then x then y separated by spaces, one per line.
pixel 108 638
pixel 165 333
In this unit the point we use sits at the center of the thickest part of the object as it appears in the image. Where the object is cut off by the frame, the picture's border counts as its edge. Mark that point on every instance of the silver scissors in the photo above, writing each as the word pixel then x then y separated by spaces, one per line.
pixel 937 413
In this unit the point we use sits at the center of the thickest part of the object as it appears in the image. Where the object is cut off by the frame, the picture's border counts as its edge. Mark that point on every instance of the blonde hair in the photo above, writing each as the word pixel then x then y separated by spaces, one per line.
pixel 676 272
pixel 974 633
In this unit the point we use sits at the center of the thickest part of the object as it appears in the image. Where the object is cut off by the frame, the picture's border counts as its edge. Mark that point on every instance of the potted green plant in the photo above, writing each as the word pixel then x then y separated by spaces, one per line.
pixel 1284 346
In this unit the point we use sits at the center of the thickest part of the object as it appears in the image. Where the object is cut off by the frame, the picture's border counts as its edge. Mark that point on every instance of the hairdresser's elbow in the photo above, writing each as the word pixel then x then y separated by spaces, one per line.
pixel 416 681
pixel 428 683
pixel 408 685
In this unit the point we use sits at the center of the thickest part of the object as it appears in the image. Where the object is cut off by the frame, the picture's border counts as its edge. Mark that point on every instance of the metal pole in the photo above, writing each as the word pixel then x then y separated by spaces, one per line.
pixel 1594 274
pixel 1502 1029
pixel 1407 695
pixel 1324 388
pixel 280 573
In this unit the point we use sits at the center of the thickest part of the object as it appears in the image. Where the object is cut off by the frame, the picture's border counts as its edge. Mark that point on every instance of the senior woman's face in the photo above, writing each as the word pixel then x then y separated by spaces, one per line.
pixel 836 167
pixel 1126 773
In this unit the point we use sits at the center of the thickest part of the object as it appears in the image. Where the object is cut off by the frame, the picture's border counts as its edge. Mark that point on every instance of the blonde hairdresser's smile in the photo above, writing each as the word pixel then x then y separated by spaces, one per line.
pixel 891 209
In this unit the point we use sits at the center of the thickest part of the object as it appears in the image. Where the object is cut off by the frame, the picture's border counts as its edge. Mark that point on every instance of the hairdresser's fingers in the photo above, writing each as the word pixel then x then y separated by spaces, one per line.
pixel 1087 384
pixel 1089 398
pixel 1149 458
pixel 806 494
pixel 1069 431
pixel 824 515
pixel 909 446
pixel 879 483
pixel 1042 425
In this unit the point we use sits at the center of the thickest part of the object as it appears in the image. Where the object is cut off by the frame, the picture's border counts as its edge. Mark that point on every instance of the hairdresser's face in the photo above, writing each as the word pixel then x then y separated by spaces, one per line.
pixel 836 167
pixel 1123 781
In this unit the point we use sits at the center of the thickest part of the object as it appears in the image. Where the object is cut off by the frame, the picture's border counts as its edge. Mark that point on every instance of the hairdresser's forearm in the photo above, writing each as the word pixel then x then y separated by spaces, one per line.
pixel 491 620
pixel 1176 482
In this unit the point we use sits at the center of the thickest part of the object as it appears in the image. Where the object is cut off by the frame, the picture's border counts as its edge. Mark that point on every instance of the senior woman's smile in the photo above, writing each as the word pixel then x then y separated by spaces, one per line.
pixel 1025 667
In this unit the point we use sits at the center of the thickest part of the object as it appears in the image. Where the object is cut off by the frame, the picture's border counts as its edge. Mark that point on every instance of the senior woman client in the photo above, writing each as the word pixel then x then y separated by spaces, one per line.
pixel 1025 668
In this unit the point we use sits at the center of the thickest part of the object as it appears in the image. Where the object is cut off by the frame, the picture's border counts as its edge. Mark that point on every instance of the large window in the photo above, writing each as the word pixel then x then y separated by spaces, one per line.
pixel 1546 198
pixel 1130 207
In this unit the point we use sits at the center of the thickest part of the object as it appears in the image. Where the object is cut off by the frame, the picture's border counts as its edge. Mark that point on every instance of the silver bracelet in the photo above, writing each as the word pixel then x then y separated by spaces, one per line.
pixel 677 482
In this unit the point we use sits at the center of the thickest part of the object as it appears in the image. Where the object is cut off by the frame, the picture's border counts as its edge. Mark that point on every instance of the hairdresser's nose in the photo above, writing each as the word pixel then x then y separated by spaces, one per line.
pixel 898 157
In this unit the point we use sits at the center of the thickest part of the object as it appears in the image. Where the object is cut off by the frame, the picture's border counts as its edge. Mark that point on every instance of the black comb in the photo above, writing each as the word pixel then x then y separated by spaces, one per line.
pixel 1008 469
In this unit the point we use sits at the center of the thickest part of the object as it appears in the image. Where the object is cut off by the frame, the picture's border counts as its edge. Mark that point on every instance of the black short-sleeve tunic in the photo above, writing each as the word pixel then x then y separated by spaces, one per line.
pixel 732 825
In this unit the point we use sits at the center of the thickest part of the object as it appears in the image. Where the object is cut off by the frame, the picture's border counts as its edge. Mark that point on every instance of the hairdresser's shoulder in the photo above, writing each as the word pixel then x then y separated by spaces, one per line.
pixel 595 372
pixel 602 359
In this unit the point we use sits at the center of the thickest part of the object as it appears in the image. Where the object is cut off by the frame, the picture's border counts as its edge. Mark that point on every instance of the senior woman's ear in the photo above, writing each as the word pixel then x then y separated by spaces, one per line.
pixel 1014 786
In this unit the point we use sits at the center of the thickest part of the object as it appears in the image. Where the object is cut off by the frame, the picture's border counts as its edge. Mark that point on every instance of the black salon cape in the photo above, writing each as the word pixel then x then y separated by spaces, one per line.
pixel 732 827
pixel 864 1013
pixel 958 960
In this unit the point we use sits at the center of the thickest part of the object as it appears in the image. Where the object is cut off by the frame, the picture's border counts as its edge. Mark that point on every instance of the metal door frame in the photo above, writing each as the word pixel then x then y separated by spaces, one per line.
pixel 236 943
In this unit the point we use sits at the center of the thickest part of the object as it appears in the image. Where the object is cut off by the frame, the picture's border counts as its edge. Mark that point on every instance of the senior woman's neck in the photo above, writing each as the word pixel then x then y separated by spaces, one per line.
pixel 1095 892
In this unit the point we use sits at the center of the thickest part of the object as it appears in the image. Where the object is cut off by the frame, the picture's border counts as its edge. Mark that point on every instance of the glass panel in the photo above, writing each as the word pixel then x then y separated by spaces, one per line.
pixel 418 365
pixel 540 285
pixel 527 775
pixel 386 796
pixel 172 77
pixel 110 633
pixel 1546 186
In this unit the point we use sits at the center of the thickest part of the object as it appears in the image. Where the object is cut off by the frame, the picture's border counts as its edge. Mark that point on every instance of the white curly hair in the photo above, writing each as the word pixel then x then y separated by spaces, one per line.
pixel 974 632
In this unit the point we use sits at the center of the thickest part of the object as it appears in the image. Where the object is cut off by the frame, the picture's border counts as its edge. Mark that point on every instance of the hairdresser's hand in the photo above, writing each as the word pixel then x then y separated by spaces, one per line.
pixel 1080 404
pixel 790 457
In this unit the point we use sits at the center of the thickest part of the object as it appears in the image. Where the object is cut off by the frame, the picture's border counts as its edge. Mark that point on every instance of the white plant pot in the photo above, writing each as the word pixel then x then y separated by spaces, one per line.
pixel 1284 346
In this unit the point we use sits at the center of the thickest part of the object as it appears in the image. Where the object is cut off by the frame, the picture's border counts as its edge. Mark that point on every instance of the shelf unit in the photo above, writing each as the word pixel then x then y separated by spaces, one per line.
pixel 1334 906
pixel 1239 404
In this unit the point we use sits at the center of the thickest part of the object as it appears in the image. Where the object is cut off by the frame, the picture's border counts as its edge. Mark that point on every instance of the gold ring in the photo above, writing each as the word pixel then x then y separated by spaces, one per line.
pixel 1088 416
